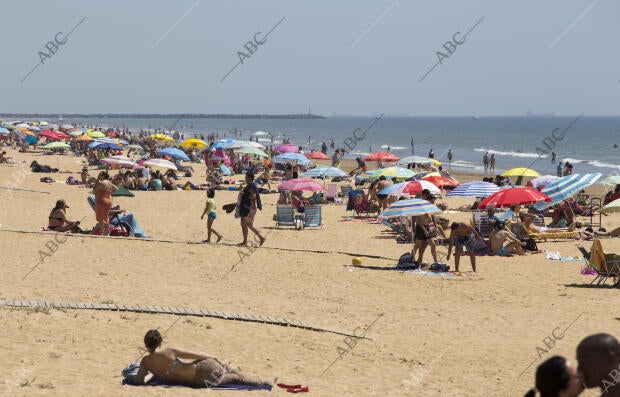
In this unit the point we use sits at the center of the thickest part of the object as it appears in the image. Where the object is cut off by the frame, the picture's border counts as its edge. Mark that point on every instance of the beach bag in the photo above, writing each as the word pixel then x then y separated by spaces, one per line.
pixel 530 244
pixel 229 207
pixel 407 261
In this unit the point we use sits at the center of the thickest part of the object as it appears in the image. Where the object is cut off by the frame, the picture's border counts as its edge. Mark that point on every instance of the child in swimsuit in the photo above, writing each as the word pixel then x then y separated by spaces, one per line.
pixel 211 215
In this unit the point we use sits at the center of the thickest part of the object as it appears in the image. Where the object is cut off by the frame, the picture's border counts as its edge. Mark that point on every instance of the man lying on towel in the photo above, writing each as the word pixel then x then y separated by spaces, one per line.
pixel 205 371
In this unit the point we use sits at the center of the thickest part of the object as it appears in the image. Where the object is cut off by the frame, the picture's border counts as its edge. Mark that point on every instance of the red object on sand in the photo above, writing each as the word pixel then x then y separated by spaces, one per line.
pixel 317 156
pixel 514 196
pixel 442 181
pixel 382 156
pixel 49 134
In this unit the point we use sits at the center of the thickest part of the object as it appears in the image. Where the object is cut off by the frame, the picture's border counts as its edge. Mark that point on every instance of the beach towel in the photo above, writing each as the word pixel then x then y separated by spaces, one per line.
pixel 555 255
pixel 131 371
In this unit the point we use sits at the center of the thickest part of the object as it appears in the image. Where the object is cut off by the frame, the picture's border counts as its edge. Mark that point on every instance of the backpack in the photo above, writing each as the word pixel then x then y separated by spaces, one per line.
pixel 407 261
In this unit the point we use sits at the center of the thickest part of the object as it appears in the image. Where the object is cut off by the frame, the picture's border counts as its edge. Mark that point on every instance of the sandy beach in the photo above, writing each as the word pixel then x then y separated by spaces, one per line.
pixel 475 334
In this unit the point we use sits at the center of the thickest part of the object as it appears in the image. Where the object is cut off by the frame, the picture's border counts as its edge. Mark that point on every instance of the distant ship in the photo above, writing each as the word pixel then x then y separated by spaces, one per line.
pixel 531 114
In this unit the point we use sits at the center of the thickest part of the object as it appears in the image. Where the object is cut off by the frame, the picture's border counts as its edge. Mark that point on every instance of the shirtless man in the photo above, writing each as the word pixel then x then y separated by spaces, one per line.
pixel 599 359
pixel 382 183
pixel 503 242
pixel 463 235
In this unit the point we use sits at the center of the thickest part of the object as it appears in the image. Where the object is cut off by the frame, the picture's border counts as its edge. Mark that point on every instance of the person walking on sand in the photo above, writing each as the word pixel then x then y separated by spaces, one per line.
pixel 485 161
pixel 450 156
pixel 247 205
pixel 552 157
pixel 211 215
pixel 492 163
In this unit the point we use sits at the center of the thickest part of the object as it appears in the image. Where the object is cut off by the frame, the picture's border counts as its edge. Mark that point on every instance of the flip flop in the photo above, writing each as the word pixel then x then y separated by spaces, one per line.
pixel 298 390
pixel 285 386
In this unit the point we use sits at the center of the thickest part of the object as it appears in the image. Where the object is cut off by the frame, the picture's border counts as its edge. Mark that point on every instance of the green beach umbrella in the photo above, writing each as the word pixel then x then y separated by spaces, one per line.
pixel 252 151
pixel 56 145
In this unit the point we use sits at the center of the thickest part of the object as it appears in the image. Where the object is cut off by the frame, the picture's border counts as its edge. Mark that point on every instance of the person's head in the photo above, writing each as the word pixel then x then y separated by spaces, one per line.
pixel 426 193
pixel 617 189
pixel 249 177
pixel 598 355
pixel 210 193
pixel 557 377
pixel 454 225
pixel 85 169
pixel 61 205
pixel 152 340
pixel 382 178
pixel 103 175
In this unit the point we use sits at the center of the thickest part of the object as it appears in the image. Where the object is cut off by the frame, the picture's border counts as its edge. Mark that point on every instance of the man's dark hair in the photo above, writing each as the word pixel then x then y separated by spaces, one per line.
pixel 455 225
pixel 249 175
pixel 210 193
pixel 152 339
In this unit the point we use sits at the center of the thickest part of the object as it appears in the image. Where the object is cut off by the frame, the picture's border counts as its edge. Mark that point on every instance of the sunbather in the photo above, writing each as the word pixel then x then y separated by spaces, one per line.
pixel 58 222
pixel 166 365
pixel 528 222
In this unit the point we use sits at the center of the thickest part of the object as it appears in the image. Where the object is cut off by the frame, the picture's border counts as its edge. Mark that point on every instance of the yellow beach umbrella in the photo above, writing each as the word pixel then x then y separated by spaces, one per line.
pixel 394 172
pixel 95 134
pixel 169 139
pixel 159 137
pixel 521 171
pixel 84 138
pixel 193 142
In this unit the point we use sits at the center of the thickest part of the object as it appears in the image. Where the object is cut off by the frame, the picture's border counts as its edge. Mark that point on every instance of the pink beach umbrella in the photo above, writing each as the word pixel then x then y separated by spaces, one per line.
pixel 288 148
pixel 301 184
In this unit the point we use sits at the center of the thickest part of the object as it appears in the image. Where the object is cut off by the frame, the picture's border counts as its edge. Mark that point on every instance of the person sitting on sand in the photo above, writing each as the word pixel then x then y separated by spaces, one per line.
pixel 166 366
pixel 58 221
pixel 463 235
pixel 599 357
pixel 503 242
pixel 557 377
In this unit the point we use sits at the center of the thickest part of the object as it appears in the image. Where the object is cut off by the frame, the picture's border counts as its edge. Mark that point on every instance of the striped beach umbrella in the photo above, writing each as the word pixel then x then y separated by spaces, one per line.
pixel 252 151
pixel 612 180
pixel 474 189
pixel 614 206
pixel 565 187
pixel 323 171
pixel 292 158
pixel 411 207
pixel 121 161
pixel 160 163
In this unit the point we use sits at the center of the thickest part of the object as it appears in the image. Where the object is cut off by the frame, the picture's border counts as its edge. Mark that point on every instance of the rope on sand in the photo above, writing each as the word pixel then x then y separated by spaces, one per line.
pixel 200 243
pixel 181 311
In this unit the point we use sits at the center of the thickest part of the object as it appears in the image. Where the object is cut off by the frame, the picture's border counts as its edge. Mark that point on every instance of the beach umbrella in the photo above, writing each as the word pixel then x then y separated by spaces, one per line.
pixel 160 163
pixel 100 145
pixel 77 132
pixel 42 122
pixel 317 156
pixel 33 128
pixel 323 171
pixel 121 192
pixel 474 189
pixel 410 187
pixel 441 181
pixel 56 145
pixel 410 207
pixel 193 143
pixel 22 125
pixel 382 156
pixel 394 173
pixel 95 134
pixel 138 147
pixel 159 137
pixel 526 172
pixel 4 131
pixel 564 188
pixel 542 181
pixel 121 161
pixel 261 133
pixel 514 196
pixel 252 151
pixel 614 206
pixel 84 138
pixel 611 180
pixel 242 145
pixel 287 148
pixel 66 127
pixel 48 134
pixel 292 157
pixel 62 135
pixel 225 170
pixel 301 184
pixel 174 153
pixel 418 160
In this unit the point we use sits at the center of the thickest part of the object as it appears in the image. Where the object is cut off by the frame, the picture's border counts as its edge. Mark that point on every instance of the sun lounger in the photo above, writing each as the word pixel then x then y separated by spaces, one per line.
pixel 605 265
pixel 285 216
pixel 481 223
pixel 345 189
pixel 313 216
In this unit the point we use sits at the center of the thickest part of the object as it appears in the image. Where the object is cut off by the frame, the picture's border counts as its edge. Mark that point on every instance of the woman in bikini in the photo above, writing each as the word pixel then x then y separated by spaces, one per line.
pixel 103 202
pixel 58 221
pixel 166 365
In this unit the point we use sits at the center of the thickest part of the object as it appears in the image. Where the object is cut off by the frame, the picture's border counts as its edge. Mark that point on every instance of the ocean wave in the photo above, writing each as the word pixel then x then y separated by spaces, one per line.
pixel 603 165
pixel 574 161
pixel 511 153
pixel 466 164
pixel 392 147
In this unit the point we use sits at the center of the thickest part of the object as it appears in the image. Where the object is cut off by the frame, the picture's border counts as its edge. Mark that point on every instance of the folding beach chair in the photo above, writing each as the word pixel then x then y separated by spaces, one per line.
pixel 285 216
pixel 113 217
pixel 313 216
pixel 605 265
pixel 481 223
pixel 332 191
pixel 345 189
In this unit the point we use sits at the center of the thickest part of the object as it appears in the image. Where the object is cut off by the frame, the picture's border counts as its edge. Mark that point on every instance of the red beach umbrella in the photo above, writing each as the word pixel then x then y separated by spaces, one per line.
pixel 49 134
pixel 382 156
pixel 317 156
pixel 514 196
pixel 442 181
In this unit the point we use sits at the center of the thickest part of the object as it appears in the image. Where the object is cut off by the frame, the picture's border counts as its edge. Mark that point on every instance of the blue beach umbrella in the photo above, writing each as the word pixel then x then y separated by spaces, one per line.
pixel 174 153
pixel 474 189
pixel 411 207
pixel 566 186
pixel 4 131
pixel 292 157
pixel 225 170
pixel 323 171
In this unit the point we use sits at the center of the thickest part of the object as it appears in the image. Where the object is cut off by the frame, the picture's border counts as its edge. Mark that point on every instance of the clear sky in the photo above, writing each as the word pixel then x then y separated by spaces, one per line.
pixel 353 57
